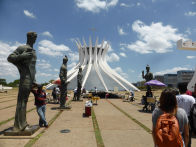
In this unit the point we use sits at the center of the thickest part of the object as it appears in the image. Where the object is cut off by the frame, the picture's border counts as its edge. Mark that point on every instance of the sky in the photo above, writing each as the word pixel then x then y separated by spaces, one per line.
pixel 139 32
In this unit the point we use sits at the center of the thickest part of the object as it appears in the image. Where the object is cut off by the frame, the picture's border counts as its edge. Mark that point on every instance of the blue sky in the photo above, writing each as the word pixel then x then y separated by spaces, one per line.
pixel 139 32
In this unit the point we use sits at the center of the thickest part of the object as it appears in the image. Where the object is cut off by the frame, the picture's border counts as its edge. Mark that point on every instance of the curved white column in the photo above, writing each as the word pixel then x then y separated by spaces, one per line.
pixel 106 70
pixel 96 66
pixel 89 64
pixel 114 73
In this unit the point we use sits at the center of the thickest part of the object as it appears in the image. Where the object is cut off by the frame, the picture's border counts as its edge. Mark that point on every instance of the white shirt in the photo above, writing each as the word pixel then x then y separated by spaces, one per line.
pixel 186 102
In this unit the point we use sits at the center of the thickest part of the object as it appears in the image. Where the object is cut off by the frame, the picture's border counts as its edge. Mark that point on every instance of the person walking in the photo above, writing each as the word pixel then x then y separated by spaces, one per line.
pixel 168 109
pixel 40 97
pixel 185 102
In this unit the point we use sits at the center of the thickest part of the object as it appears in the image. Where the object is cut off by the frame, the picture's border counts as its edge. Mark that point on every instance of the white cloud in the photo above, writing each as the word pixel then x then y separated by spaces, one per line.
pixel 194 3
pixel 171 71
pixel 119 71
pixel 154 1
pixel 49 48
pixel 124 5
pixel 29 14
pixel 56 70
pixel 6 68
pixel 73 56
pixel 190 57
pixel 188 31
pixel 121 31
pixel 113 57
pixel 42 74
pixel 95 6
pixel 48 34
pixel 190 13
pixel 138 4
pixel 154 38
pixel 73 64
pixel 123 54
pixel 42 64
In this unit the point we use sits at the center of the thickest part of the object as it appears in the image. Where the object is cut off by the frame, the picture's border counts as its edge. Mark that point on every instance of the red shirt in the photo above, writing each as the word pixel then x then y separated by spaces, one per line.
pixel 40 97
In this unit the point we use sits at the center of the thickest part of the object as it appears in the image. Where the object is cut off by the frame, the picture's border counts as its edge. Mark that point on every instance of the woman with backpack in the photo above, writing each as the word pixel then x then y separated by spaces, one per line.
pixel 170 124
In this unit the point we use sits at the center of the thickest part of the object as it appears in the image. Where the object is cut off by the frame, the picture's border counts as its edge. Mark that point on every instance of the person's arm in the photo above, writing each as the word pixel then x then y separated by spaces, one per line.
pixel 42 98
pixel 186 135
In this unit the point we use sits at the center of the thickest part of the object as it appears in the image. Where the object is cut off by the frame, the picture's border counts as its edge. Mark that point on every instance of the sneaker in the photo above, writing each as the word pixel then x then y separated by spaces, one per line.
pixel 46 126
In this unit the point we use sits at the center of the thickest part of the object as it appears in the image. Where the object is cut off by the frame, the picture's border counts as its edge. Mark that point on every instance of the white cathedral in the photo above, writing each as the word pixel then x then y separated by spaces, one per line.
pixel 96 72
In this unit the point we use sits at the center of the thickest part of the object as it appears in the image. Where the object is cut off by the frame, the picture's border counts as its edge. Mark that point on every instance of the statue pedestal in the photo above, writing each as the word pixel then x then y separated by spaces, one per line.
pixel 27 132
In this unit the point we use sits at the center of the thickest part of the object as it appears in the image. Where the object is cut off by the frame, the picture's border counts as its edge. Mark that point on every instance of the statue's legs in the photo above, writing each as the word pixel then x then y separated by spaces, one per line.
pixel 63 95
pixel 78 93
pixel 20 122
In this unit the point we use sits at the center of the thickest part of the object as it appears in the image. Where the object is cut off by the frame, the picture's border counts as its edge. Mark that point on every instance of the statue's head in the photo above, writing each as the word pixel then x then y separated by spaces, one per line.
pixel 65 59
pixel 147 68
pixel 31 37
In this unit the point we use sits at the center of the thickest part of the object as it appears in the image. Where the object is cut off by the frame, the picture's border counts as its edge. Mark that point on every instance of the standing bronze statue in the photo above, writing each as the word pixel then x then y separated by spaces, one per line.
pixel 24 58
pixel 79 83
pixel 148 76
pixel 63 77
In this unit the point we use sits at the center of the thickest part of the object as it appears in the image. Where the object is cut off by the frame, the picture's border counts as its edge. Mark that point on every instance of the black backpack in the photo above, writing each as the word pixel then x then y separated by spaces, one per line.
pixel 193 118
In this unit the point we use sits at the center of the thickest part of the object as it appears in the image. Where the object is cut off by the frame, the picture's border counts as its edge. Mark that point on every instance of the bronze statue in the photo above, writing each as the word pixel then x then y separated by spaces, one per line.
pixel 24 58
pixel 79 83
pixel 148 76
pixel 63 77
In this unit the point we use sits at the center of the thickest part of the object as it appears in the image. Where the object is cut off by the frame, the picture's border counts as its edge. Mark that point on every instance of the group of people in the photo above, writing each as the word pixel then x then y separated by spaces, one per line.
pixel 172 120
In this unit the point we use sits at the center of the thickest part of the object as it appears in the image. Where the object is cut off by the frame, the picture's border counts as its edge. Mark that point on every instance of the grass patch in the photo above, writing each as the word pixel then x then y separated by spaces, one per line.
pixel 133 119
pixel 97 131
pixel 32 141
pixel 5 121
pixel 12 106
pixel 7 100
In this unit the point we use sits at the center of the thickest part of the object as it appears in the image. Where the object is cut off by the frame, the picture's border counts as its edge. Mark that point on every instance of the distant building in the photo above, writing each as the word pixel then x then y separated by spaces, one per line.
pixel 170 80
pixel 184 75
pixel 159 78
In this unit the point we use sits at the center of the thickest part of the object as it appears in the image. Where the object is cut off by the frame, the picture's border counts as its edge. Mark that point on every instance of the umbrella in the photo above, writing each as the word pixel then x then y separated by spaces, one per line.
pixel 155 83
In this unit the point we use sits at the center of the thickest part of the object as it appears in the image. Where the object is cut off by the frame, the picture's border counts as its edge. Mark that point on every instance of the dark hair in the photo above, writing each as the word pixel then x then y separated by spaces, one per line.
pixel 168 101
pixel 176 91
pixel 39 86
pixel 182 87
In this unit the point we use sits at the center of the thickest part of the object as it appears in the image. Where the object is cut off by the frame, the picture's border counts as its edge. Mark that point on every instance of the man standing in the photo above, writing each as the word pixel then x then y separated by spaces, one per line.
pixel 24 58
pixel 40 98
pixel 186 102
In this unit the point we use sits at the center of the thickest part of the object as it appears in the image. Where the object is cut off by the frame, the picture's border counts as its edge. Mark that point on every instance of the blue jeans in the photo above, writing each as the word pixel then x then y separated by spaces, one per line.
pixel 41 112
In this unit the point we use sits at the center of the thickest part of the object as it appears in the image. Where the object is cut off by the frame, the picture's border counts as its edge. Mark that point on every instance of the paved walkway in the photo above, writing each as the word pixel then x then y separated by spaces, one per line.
pixel 118 130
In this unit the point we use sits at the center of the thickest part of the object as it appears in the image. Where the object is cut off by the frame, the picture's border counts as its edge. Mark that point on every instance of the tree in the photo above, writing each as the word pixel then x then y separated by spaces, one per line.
pixel 51 81
pixel 15 83
pixel 3 82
